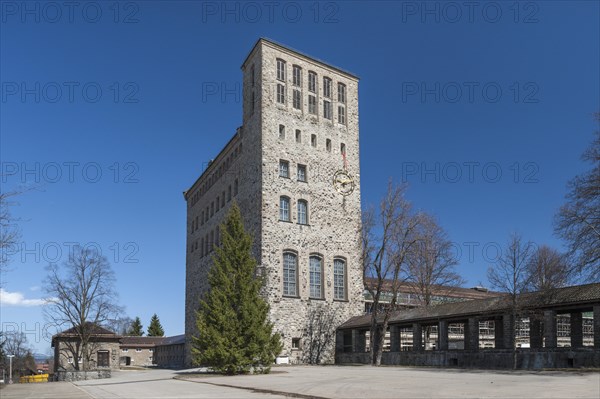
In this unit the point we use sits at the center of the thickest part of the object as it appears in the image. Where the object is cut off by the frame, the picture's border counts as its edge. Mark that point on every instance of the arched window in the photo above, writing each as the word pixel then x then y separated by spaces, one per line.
pixel 339 279
pixel 302 212
pixel 290 274
pixel 316 276
pixel 284 209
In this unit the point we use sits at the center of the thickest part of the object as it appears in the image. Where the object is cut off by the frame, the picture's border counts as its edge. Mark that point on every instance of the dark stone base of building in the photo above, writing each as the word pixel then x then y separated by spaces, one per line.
pixel 71 376
pixel 527 359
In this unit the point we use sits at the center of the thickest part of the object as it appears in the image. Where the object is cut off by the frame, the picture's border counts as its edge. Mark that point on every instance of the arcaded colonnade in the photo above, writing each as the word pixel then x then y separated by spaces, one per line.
pixel 555 329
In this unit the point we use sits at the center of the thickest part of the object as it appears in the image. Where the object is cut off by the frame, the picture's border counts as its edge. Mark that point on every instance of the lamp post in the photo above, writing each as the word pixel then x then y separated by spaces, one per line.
pixel 10 381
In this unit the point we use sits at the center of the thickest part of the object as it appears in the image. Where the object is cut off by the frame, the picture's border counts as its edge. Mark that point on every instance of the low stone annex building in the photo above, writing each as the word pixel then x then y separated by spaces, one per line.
pixel 483 329
pixel 293 168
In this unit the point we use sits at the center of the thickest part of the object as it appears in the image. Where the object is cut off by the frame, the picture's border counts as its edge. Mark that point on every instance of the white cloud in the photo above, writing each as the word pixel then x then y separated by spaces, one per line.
pixel 17 299
pixel 35 288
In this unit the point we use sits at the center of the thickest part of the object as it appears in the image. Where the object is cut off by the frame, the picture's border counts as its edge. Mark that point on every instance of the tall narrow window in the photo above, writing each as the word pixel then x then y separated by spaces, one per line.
pixel 290 274
pixel 327 109
pixel 343 148
pixel 297 76
pixel 339 279
pixel 326 87
pixel 218 203
pixel 328 145
pixel 312 105
pixel 280 69
pixel 281 132
pixel 223 199
pixel 342 93
pixel 342 114
pixel 316 271
pixel 284 168
pixel 202 218
pixel 212 208
pixel 284 209
pixel 302 212
pixel 280 93
pixel 298 136
pixel 297 99
pixel 312 82
pixel 313 140
pixel 235 187
pixel 302 173
pixel 229 193
pixel 206 213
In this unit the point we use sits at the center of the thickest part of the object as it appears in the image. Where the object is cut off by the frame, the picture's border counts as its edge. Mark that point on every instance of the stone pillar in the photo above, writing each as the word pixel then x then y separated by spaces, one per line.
pixel 394 339
pixel 576 330
pixel 535 332
pixel 550 328
pixel 339 341
pixel 359 341
pixel 597 327
pixel 472 334
pixel 443 335
pixel 417 332
pixel 504 331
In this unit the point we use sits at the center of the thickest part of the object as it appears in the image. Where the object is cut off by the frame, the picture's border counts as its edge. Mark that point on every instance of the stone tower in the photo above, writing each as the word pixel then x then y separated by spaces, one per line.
pixel 293 168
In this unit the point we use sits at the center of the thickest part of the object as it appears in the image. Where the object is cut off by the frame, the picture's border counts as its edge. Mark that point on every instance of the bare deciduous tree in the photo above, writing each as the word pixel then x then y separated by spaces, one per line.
pixel 386 239
pixel 430 263
pixel 9 230
pixel 81 296
pixel 578 221
pixel 15 343
pixel 510 275
pixel 319 334
pixel 547 269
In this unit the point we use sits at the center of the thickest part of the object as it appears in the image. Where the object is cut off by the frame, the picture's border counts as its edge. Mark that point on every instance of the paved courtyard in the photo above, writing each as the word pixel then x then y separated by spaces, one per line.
pixel 323 382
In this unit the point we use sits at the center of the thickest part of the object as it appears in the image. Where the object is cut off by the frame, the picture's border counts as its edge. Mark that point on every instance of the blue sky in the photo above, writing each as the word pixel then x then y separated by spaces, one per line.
pixel 111 113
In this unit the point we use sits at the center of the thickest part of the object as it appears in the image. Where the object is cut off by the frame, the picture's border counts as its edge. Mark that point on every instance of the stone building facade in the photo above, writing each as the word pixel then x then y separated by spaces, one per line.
pixel 293 168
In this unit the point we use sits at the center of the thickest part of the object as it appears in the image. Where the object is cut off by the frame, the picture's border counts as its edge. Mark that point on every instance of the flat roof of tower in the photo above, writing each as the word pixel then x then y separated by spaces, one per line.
pixel 300 53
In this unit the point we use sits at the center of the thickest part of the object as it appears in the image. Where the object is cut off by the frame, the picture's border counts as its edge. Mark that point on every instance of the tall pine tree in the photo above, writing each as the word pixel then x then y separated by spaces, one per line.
pixel 234 333
pixel 136 329
pixel 155 329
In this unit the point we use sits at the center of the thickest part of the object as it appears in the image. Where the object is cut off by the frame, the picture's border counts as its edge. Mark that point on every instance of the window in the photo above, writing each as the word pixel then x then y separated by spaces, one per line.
pixel 327 109
pixel 297 100
pixel 343 148
pixel 284 209
pixel 312 82
pixel 229 193
pixel 150 350
pixel 312 105
pixel 223 199
pixel 326 87
pixel 297 76
pixel 298 136
pixel 342 93
pixel 235 187
pixel 207 213
pixel 280 69
pixel 218 203
pixel 295 343
pixel 302 173
pixel 138 349
pixel 284 168
pixel 290 274
pixel 70 359
pixel 342 114
pixel 202 218
pixel 328 145
pixel 302 212
pixel 281 132
pixel 212 208
pixel 125 350
pixel 280 94
pixel 315 277
pixel 313 140
pixel 339 279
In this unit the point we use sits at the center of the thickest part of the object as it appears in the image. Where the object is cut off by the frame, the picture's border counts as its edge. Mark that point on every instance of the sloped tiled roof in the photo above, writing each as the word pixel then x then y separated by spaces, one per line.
pixel 174 340
pixel 141 341
pixel 588 293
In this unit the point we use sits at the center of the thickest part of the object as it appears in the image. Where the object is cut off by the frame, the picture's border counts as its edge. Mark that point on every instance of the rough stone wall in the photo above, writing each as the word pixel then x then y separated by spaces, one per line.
pixel 334 220
pixel 62 353
pixel 142 358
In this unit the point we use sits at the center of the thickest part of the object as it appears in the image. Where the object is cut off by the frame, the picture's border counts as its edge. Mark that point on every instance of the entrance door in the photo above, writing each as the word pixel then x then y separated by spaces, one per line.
pixel 103 359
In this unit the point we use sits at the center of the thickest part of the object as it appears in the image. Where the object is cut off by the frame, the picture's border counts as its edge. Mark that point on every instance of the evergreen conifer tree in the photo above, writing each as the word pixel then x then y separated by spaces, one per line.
pixel 136 329
pixel 155 329
pixel 234 333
